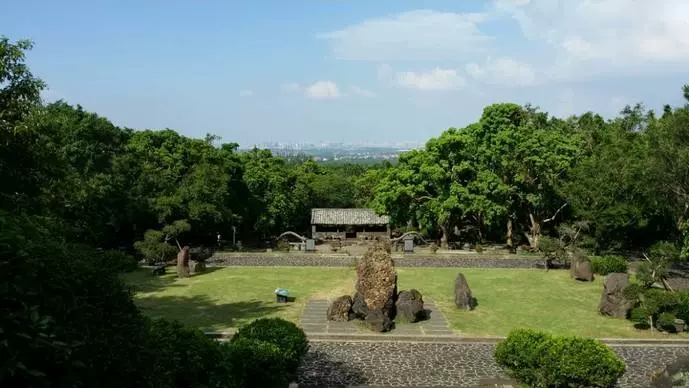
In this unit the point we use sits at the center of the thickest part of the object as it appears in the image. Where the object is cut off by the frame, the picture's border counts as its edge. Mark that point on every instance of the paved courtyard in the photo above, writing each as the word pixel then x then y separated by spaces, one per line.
pixel 426 354
pixel 423 364
pixel 314 322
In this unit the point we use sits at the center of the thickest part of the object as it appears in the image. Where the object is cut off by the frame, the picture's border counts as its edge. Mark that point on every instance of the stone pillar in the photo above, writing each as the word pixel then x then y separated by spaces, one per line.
pixel 313 231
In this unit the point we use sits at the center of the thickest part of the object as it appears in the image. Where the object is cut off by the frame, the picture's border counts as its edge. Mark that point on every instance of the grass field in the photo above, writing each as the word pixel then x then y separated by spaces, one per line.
pixel 226 298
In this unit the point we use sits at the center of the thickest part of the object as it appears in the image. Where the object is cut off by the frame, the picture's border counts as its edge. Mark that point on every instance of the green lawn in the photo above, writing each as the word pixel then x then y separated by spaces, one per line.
pixel 507 298
pixel 224 298
pixel 520 298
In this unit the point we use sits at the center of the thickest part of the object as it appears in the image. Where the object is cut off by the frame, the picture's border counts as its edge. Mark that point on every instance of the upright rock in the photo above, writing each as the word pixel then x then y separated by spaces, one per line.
pixel 463 297
pixel 581 269
pixel 410 306
pixel 183 263
pixel 612 302
pixel 340 309
pixel 376 287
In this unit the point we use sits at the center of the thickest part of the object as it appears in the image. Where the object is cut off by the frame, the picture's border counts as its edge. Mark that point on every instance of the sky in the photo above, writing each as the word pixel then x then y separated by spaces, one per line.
pixel 349 70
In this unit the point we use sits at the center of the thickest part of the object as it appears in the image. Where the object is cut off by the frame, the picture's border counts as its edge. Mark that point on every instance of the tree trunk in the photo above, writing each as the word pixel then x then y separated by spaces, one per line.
pixel 183 263
pixel 443 238
pixel 510 243
pixel 534 235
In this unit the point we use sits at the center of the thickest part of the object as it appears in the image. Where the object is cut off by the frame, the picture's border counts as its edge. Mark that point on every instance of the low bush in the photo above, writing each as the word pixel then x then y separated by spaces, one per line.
pixel 522 353
pixel 254 363
pixel 657 307
pixel 542 360
pixel 290 339
pixel 609 264
pixel 478 248
pixel 433 247
pixel 184 356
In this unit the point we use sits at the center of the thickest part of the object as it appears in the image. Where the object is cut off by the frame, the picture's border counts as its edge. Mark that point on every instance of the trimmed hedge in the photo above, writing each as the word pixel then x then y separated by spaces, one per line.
pixel 609 264
pixel 542 360
pixel 290 339
pixel 254 363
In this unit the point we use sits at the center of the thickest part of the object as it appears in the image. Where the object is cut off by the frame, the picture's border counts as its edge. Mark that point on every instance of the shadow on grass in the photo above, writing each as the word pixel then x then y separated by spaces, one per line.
pixel 318 369
pixel 144 280
pixel 205 313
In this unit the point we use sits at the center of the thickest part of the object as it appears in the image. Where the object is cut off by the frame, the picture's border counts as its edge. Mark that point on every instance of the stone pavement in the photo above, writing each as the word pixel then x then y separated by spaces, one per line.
pixel 427 354
pixel 437 364
pixel 314 322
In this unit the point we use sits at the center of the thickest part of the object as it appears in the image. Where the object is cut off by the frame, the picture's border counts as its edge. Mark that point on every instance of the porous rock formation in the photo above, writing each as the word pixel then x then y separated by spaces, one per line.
pixel 463 298
pixel 612 301
pixel 340 309
pixel 376 291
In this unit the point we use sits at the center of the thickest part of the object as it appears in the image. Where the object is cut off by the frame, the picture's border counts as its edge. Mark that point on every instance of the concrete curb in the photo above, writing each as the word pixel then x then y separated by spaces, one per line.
pixel 363 337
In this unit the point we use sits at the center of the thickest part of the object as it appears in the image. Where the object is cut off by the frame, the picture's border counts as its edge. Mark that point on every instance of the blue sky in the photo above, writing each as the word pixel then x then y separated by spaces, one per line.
pixel 336 70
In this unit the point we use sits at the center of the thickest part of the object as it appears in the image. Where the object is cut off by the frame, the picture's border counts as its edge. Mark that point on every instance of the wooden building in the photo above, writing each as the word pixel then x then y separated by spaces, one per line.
pixel 329 224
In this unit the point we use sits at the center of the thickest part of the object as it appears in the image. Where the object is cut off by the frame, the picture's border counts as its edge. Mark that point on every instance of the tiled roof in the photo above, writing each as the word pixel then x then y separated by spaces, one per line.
pixel 347 217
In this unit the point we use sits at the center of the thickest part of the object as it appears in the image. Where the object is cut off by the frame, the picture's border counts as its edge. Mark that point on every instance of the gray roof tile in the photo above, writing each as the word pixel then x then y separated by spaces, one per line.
pixel 347 217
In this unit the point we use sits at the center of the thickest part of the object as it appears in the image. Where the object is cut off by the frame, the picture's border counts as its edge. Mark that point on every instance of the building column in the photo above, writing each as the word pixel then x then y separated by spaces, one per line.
pixel 313 231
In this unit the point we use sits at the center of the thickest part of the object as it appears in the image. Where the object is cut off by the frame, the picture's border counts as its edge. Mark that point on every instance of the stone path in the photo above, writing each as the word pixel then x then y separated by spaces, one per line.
pixel 314 322
pixel 437 364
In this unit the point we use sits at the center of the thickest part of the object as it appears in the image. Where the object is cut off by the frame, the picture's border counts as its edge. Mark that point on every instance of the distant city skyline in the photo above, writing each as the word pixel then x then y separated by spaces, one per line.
pixel 383 71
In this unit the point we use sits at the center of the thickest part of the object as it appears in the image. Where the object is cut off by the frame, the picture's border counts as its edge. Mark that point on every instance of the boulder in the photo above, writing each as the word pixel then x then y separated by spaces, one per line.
pixel 196 266
pixel 612 302
pixel 463 297
pixel 581 269
pixel 378 321
pixel 359 308
pixel 376 284
pixel 409 306
pixel 340 309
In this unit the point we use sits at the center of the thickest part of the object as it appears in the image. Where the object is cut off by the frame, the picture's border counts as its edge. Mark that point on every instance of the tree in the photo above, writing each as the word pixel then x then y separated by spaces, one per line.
pixel 24 155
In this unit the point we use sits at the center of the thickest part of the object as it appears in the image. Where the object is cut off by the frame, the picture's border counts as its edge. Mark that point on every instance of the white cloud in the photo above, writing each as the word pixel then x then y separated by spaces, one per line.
pixel 503 71
pixel 436 79
pixel 621 33
pixel 323 90
pixel 412 35
pixel 290 87
pixel 362 92
pixel 247 93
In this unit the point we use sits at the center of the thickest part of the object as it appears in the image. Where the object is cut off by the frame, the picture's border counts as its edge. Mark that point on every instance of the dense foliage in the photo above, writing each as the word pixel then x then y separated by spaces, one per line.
pixel 609 264
pixel 290 340
pixel 542 360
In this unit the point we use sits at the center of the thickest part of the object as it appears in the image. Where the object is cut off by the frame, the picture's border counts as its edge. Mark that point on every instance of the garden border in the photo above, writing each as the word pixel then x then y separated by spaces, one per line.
pixel 220 260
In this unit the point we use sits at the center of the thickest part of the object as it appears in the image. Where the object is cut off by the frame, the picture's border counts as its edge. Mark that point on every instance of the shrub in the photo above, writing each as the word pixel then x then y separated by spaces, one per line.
pixel 666 321
pixel 682 311
pixel 478 248
pixel 253 363
pixel 433 247
pixel 581 362
pixel 283 246
pixel 184 356
pixel 289 338
pixel 539 359
pixel 521 353
pixel 609 264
